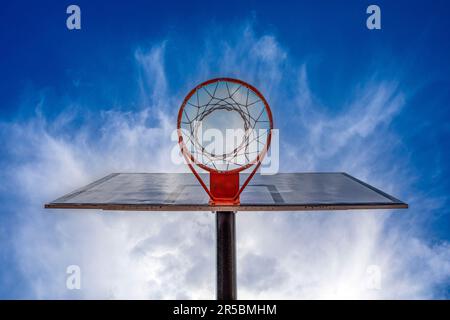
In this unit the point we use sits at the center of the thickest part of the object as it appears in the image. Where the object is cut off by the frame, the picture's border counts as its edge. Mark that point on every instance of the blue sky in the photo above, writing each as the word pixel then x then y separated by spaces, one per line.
pixel 80 104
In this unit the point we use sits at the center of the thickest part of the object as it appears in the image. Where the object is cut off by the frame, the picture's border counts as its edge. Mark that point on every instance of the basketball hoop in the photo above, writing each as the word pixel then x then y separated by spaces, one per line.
pixel 228 109
pixel 226 104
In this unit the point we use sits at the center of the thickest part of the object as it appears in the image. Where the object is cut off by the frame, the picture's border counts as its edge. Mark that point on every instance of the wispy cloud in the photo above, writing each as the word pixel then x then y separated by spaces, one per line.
pixel 169 255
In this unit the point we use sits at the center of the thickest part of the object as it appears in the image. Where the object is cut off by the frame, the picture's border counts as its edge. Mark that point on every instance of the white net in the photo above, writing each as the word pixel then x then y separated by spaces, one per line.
pixel 225 125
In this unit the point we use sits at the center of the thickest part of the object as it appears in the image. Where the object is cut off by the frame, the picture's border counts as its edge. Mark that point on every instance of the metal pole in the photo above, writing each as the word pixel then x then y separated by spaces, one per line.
pixel 226 255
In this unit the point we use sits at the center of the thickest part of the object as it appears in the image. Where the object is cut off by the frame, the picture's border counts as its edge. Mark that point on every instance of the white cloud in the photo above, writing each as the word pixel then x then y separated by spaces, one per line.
pixel 170 255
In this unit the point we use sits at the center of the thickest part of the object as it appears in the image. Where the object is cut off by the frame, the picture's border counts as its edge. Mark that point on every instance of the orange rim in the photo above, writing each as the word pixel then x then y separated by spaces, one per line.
pixel 191 159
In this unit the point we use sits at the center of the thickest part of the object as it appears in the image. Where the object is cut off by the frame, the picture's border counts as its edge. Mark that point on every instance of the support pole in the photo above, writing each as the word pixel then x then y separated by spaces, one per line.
pixel 226 255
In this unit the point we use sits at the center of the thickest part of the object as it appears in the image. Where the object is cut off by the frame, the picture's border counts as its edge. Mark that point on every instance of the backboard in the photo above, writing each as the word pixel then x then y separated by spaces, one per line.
pixel 182 192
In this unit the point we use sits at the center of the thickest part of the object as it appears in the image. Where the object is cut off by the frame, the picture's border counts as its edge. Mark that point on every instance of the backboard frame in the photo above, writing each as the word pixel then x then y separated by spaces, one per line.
pixel 64 202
